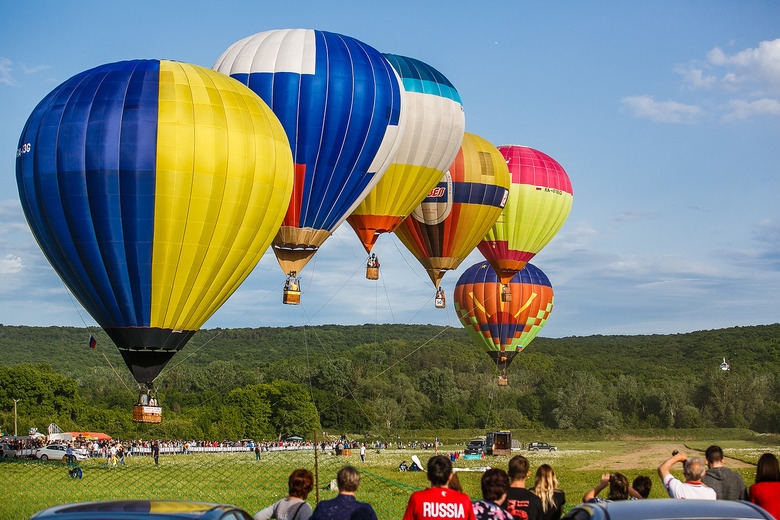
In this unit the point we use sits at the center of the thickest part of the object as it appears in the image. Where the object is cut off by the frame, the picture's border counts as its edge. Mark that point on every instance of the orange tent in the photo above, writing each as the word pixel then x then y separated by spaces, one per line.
pixel 91 436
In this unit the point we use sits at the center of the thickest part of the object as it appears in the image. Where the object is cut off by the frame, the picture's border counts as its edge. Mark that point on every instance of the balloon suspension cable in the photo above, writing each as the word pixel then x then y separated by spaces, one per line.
pixel 73 301
pixel 326 302
pixel 412 269
pixel 387 296
pixel 116 373
pixel 220 332
pixel 343 379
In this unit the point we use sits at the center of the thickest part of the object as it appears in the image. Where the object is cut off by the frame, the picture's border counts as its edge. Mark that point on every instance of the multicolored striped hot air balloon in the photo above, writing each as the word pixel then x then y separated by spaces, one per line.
pixel 539 203
pixel 503 328
pixel 153 187
pixel 339 101
pixel 450 222
pixel 432 136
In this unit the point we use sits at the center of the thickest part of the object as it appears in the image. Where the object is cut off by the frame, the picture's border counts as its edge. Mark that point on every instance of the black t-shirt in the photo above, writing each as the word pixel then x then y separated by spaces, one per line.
pixel 522 504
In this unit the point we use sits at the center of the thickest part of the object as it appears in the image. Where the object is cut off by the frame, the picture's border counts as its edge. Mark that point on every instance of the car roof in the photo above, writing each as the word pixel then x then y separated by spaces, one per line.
pixel 667 508
pixel 132 509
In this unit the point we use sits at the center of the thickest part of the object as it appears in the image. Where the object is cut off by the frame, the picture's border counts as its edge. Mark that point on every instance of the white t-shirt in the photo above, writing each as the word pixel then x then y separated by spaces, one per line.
pixel 696 490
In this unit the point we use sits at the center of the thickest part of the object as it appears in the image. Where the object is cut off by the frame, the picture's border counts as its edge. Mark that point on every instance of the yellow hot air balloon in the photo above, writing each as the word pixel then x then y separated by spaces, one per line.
pixel 540 199
pixel 153 188
pixel 432 136
pixel 451 221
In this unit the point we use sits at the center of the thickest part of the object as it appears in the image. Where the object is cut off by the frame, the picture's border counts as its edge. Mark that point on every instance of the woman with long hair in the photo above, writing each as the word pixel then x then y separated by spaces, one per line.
pixel 546 488
pixel 766 491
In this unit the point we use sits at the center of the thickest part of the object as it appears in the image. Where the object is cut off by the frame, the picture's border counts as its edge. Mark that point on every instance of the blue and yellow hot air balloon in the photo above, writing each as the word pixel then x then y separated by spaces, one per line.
pixel 456 214
pixel 339 101
pixel 433 133
pixel 503 328
pixel 540 199
pixel 153 188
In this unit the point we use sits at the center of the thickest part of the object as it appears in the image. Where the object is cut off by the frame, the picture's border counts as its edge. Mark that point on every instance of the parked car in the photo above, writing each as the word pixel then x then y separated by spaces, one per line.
pixel 475 447
pixel 7 451
pixel 666 508
pixel 57 452
pixel 143 510
pixel 539 446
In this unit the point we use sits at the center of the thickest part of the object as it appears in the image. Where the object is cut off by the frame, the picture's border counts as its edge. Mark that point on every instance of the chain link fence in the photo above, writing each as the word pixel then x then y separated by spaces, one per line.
pixel 236 478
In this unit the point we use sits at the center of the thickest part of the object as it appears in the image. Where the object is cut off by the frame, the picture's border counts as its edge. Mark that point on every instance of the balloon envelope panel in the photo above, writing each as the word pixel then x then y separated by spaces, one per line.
pixel 457 213
pixel 540 199
pixel 433 133
pixel 499 325
pixel 339 101
pixel 153 188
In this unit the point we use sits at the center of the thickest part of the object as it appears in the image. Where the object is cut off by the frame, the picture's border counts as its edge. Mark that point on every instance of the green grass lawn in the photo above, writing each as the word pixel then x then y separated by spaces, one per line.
pixel 241 480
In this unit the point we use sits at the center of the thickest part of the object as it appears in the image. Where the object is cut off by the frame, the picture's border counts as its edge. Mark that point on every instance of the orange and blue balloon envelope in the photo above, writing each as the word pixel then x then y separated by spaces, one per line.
pixel 433 133
pixel 540 199
pixel 340 102
pixel 153 188
pixel 503 328
pixel 456 214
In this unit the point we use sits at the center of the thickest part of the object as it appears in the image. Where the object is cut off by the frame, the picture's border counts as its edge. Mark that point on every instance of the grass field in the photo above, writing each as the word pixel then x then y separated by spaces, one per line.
pixel 239 479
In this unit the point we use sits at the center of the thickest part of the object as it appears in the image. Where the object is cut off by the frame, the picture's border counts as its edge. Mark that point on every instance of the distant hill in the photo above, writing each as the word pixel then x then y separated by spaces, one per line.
pixel 648 356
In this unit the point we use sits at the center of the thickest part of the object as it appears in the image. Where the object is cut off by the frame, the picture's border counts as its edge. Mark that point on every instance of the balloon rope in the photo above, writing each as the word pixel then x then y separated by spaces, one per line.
pixel 192 352
pixel 117 374
pixel 411 268
pixel 344 382
pixel 359 267
pixel 73 301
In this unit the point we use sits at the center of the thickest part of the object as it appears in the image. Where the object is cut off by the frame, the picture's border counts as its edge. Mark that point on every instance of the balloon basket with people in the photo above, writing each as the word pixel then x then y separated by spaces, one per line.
pixel 291 295
pixel 440 301
pixel 372 267
pixel 147 409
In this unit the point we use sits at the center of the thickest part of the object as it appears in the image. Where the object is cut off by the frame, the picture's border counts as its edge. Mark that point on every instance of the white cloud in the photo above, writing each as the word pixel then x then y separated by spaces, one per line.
pixel 760 65
pixel 696 78
pixel 5 72
pixel 11 264
pixel 741 109
pixel 662 111
pixel 33 70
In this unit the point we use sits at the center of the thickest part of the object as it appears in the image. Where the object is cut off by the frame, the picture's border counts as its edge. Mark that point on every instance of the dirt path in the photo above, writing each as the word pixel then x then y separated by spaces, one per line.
pixel 649 455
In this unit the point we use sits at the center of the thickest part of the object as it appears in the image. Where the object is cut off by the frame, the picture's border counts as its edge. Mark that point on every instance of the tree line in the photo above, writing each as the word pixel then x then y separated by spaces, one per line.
pixel 268 383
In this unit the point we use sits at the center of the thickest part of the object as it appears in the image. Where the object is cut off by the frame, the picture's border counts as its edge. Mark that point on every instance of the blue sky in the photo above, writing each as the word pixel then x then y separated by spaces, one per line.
pixel 666 115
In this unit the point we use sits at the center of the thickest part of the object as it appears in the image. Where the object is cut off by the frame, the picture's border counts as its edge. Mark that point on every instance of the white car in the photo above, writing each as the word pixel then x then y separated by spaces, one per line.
pixel 56 452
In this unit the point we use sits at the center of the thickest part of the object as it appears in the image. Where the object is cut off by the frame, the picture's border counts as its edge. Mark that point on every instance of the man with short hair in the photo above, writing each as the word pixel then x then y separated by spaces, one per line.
pixel 728 485
pixel 345 505
pixel 693 469
pixel 439 501
pixel 521 503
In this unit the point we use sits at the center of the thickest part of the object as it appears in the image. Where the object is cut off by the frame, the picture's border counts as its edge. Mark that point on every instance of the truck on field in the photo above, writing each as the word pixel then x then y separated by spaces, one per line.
pixel 498 443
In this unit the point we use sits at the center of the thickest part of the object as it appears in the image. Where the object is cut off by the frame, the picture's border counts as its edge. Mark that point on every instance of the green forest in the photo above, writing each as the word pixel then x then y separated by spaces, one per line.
pixel 269 383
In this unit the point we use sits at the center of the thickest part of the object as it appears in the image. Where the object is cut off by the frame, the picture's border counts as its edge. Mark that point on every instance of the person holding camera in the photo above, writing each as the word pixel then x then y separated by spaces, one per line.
pixel 693 470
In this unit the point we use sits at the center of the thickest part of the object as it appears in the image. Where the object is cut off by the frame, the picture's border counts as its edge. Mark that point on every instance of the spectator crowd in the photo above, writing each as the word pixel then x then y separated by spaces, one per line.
pixel 509 495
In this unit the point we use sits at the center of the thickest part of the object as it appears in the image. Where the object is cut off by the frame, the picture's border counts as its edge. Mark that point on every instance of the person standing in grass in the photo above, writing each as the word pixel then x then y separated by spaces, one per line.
pixel 439 501
pixel 766 491
pixel 294 505
pixel 345 506
pixel 693 470
pixel 642 485
pixel 728 485
pixel 520 502
pixel 546 488
pixel 156 452
pixel 495 484
pixel 618 489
